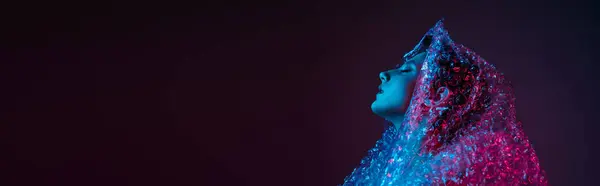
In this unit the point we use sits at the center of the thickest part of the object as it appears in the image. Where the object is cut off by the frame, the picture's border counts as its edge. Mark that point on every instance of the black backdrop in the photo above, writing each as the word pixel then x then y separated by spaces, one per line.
pixel 263 93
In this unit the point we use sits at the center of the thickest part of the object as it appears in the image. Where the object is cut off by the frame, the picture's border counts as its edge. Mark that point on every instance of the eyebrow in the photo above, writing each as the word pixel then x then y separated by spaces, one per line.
pixel 406 62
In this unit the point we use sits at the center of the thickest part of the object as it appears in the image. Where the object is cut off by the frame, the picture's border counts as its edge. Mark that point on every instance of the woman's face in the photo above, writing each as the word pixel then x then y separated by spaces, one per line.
pixel 396 87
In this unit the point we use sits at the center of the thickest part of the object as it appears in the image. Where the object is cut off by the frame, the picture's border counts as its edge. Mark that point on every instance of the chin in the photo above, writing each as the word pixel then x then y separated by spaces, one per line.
pixel 387 109
pixel 374 107
pixel 380 110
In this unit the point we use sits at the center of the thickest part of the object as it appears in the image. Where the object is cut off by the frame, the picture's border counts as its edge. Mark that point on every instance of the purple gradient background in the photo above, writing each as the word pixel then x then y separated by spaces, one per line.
pixel 257 93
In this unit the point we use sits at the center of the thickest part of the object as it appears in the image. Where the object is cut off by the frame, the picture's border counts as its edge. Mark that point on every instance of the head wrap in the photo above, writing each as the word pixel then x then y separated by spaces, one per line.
pixel 471 138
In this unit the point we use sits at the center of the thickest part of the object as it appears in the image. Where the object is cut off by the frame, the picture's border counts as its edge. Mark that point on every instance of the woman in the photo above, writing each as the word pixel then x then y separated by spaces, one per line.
pixel 457 128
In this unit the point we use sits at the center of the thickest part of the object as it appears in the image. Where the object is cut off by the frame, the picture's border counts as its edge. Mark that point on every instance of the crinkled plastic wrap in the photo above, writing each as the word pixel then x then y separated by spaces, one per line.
pixel 471 138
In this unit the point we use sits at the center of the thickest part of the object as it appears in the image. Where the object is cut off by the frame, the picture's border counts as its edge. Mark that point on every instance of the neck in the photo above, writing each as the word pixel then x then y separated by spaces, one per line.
pixel 396 120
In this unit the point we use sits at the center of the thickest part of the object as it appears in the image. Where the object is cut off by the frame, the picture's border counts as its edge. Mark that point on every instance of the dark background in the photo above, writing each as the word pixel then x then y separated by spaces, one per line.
pixel 263 93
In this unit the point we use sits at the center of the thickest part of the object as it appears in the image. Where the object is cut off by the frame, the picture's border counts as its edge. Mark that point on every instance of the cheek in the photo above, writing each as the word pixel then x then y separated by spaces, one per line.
pixel 409 88
pixel 412 83
pixel 404 91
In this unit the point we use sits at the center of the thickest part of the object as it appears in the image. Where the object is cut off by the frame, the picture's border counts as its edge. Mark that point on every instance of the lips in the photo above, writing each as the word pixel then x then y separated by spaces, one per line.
pixel 379 90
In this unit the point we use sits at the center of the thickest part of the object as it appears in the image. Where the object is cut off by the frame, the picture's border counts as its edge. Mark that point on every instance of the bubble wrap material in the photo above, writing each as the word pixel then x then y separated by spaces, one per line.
pixel 471 138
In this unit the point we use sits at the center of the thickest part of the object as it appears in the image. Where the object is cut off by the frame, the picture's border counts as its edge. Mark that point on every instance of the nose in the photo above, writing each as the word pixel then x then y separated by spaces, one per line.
pixel 384 76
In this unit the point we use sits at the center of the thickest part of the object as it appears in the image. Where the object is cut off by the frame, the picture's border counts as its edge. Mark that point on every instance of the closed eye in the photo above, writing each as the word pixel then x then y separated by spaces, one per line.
pixel 408 66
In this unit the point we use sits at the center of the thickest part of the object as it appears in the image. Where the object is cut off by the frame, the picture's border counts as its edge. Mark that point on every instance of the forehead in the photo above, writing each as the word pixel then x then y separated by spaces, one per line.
pixel 417 59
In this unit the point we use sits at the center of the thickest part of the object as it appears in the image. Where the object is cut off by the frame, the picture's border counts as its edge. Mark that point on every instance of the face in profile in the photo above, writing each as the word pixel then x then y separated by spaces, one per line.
pixel 396 87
